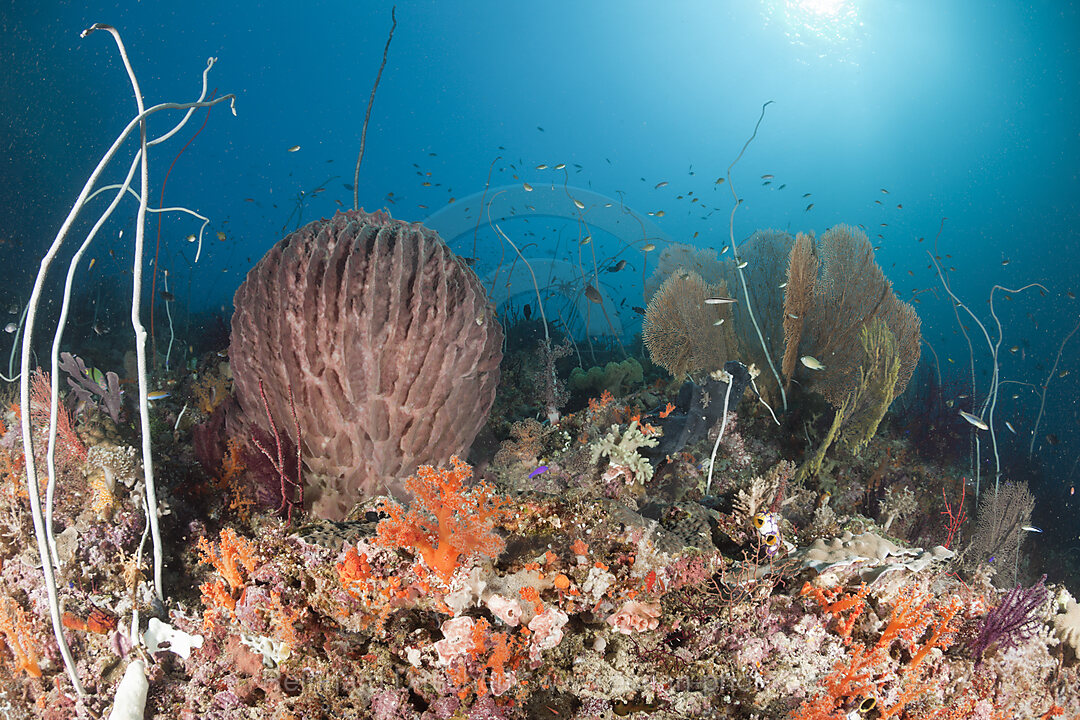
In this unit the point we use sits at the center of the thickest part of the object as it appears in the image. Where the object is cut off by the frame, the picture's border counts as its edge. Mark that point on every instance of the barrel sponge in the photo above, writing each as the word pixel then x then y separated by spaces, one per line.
pixel 387 341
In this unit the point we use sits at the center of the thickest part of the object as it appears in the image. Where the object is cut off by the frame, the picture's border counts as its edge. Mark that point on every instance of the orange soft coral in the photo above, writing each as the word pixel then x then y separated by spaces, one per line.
pixel 446 520
pixel 17 635
pixel 232 559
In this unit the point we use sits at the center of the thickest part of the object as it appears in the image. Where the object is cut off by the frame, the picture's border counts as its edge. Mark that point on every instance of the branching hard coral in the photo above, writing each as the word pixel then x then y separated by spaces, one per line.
pixel 446 520
pixel 621 450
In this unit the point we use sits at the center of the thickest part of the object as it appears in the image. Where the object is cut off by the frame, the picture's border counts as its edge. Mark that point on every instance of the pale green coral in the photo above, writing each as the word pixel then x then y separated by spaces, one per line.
pixel 621 449
pixel 616 378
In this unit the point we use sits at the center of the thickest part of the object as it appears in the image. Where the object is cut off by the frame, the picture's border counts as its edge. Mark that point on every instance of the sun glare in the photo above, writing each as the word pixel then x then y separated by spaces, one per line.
pixel 828 8
pixel 829 29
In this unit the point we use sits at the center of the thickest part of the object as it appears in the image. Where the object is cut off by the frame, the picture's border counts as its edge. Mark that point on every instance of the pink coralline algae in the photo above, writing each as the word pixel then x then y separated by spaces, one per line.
pixel 388 344
pixel 634 617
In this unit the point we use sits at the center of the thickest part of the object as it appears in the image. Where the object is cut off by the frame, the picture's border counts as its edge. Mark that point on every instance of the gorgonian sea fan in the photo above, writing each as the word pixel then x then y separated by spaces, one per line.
pixel 388 342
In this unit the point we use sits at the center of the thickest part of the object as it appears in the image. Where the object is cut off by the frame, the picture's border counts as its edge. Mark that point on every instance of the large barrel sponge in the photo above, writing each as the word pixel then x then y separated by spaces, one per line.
pixel 387 341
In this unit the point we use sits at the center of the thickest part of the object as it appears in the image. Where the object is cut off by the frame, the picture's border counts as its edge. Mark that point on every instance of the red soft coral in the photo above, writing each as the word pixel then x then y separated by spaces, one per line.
pixel 445 520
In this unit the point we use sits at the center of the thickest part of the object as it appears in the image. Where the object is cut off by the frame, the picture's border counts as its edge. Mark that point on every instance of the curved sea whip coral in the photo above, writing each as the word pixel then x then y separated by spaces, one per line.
pixel 387 340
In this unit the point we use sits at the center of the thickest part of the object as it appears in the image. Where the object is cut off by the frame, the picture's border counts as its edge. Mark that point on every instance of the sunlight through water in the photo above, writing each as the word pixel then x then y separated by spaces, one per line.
pixel 824 29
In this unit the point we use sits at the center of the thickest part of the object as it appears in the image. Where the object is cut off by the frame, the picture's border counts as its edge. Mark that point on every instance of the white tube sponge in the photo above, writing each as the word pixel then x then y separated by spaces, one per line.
pixel 130 702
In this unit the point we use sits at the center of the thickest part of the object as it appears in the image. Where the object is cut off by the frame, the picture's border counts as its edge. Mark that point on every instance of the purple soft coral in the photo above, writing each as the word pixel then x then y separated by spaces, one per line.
pixel 1012 621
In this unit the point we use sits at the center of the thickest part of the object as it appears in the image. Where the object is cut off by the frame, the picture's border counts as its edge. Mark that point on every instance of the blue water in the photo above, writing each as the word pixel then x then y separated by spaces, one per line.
pixel 964 110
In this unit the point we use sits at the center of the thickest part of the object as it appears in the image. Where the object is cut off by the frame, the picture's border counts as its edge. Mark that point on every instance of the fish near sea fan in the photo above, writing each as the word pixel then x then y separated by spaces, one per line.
pixel 389 345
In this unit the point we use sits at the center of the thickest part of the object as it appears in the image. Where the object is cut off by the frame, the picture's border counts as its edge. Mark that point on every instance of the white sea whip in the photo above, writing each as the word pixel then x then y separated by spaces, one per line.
pixel 43 529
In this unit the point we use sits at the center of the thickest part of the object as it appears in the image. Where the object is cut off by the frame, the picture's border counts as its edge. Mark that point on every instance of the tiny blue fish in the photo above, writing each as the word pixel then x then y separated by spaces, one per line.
pixel 538 471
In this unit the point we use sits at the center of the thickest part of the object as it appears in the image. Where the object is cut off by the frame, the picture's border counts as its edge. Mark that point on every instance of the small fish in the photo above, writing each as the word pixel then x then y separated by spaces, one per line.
pixel 793 317
pixel 1031 528
pixel 221 235
pixel 578 204
pixel 659 213
pixel 10 327
pixel 1014 349
pixel 743 264
pixel 899 206
pixel 167 296
pixel 974 420
pixel 1011 428
pixel 726 248
pixel 294 148
pixel 542 166
pixel 767 176
pixel 783 285
pixel 782 186
pixel 158 395
pixel 648 247
pixel 884 191
pixel 766 183
pixel 660 185
pixel 1063 373
pixel 91 265
pixel 719 322
pixel 593 294
pixel 1052 439
pixel 527 186
pixel 638 309
pixel 586 240
pixel 719 300
pixel 540 128
pixel 1069 294
pixel 560 166
pixel 191 238
pixel 718 181
pixel 806 195
pixel 808 207
pixel 617 266
pixel 811 362
pixel 538 471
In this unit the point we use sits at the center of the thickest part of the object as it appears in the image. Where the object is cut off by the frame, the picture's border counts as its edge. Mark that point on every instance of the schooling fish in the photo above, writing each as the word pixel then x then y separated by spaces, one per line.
pixel 593 294
pixel 808 207
pixel 719 300
pixel 617 266
pixel 294 148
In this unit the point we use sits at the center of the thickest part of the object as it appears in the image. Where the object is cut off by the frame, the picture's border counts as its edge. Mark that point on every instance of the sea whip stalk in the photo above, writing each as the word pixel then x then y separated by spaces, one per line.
pixel 42 530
